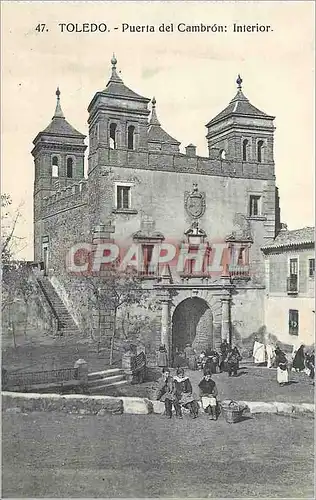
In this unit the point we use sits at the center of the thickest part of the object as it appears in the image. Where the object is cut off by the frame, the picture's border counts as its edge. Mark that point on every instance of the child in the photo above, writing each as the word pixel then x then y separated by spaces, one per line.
pixel 208 394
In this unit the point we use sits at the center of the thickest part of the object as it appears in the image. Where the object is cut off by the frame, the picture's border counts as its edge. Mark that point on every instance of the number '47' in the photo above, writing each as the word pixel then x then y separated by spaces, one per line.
pixel 40 28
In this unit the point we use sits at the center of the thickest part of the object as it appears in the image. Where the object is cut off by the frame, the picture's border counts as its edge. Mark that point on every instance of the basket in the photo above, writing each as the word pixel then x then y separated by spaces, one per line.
pixel 232 411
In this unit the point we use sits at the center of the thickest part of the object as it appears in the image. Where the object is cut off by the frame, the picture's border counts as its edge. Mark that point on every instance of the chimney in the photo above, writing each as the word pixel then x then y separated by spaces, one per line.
pixel 190 150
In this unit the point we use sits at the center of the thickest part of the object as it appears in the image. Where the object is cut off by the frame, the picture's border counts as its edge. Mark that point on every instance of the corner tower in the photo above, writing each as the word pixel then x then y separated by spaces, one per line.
pixel 118 122
pixel 241 132
pixel 59 162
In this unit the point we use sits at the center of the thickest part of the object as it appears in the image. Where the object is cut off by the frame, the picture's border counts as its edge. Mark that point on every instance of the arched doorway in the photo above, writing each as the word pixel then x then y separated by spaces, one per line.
pixel 192 323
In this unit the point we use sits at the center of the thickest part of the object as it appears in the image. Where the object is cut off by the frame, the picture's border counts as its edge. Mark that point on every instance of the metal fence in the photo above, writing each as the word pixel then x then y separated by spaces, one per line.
pixel 38 378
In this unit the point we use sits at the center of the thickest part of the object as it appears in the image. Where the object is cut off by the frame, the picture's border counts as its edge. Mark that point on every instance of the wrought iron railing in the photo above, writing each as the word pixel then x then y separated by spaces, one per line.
pixel 37 378
pixel 292 284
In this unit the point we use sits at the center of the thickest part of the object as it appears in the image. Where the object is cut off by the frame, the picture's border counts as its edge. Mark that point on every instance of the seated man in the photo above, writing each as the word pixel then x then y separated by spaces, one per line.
pixel 208 395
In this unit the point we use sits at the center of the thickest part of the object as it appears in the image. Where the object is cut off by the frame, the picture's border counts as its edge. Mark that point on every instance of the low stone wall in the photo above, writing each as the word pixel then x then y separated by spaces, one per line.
pixel 84 405
pixel 14 402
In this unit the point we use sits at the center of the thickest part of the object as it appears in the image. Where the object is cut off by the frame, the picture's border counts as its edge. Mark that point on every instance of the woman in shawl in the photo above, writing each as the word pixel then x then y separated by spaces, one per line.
pixel 208 395
pixel 167 394
pixel 184 393
pixel 282 367
pixel 299 359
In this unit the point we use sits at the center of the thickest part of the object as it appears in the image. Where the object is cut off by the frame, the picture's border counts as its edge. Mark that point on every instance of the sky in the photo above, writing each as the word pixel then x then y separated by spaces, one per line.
pixel 191 75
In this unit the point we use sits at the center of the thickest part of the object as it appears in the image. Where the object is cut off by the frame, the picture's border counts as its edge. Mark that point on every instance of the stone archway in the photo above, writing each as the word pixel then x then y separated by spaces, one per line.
pixel 192 322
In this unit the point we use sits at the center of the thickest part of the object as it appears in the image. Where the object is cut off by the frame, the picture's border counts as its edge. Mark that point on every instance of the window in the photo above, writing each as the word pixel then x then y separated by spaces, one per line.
pixel 260 151
pixel 147 256
pixel 130 137
pixel 244 149
pixel 311 268
pixel 293 267
pixel 254 205
pixel 123 195
pixel 223 154
pixel 293 322
pixel 113 128
pixel 69 168
pixel 55 168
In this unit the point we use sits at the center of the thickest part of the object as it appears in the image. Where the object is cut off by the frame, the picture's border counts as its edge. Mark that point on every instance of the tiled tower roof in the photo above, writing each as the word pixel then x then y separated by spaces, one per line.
pixel 239 106
pixel 59 124
pixel 116 87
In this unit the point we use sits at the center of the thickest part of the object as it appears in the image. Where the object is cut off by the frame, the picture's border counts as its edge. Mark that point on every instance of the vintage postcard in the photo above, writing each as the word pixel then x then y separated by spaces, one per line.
pixel 158 265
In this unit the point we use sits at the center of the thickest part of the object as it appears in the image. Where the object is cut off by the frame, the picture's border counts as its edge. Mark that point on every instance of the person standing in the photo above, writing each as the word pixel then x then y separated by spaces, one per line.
pixel 167 394
pixel 270 355
pixel 299 359
pixel 282 367
pixel 208 395
pixel 162 357
pixel 232 363
pixel 223 355
pixel 185 394
pixel 190 356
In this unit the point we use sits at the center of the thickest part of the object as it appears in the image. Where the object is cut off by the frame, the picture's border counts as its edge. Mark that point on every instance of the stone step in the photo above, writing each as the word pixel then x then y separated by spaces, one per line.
pixel 102 388
pixel 100 382
pixel 105 373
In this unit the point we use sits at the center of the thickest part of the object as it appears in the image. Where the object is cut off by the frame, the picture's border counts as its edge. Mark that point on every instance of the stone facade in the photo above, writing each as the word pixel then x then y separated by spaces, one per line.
pixel 290 287
pixel 141 188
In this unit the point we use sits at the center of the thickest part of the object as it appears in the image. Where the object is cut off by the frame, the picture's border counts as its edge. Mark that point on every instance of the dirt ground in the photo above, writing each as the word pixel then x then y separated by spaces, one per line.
pixel 69 456
pixel 252 384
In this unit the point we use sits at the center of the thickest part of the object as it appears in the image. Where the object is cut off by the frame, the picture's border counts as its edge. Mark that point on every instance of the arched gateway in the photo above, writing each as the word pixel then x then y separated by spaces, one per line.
pixel 192 322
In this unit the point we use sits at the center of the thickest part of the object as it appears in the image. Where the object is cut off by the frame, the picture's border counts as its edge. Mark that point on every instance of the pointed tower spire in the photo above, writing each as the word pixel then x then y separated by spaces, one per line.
pixel 58 111
pixel 153 119
pixel 114 77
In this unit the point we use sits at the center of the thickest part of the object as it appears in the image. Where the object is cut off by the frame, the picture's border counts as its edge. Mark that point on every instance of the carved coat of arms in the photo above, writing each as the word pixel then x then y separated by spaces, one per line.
pixel 194 202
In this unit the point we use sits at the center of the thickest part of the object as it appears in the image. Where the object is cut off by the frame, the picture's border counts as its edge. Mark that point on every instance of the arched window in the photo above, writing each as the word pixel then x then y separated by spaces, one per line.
pixel 55 169
pixel 244 149
pixel 130 137
pixel 112 141
pixel 70 163
pixel 260 151
pixel 222 154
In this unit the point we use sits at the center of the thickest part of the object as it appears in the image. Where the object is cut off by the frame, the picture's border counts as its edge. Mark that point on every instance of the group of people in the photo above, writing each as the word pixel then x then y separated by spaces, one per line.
pixel 300 361
pixel 176 391
pixel 227 359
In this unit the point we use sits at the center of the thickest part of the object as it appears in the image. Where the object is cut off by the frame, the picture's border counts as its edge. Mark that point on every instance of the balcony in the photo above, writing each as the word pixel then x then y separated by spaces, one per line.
pixel 292 285
pixel 239 272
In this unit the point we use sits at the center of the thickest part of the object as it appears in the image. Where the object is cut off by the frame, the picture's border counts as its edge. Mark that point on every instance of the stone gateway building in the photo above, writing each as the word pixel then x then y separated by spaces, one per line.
pixel 140 188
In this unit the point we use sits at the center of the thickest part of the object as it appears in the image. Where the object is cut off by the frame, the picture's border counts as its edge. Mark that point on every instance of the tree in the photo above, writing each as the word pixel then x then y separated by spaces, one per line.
pixel 111 292
pixel 14 274
pixel 10 242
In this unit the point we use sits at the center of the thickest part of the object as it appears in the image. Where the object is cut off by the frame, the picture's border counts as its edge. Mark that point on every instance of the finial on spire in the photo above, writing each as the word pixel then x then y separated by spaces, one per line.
pixel 153 119
pixel 58 111
pixel 115 78
pixel 239 82
pixel 113 61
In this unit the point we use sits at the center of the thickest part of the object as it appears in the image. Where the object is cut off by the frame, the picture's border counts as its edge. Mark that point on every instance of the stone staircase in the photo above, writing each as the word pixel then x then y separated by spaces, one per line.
pixel 66 324
pixel 101 382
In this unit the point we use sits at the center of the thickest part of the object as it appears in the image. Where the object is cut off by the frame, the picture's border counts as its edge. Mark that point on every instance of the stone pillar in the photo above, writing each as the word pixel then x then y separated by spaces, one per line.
pixel 165 323
pixel 226 319
pixel 82 367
